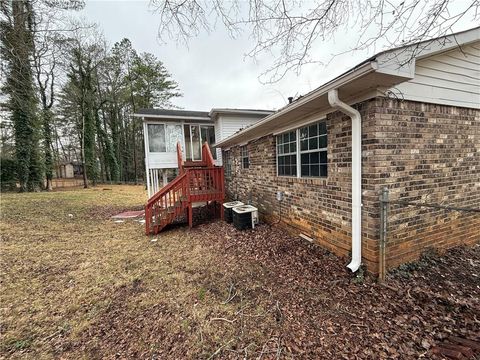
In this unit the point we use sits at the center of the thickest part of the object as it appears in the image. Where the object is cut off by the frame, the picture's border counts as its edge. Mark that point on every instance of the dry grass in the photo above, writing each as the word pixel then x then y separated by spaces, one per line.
pixel 83 286
pixel 67 281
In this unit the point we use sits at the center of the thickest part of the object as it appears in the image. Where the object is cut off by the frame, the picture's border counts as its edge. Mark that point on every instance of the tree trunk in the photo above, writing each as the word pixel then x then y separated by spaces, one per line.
pixel 47 133
pixel 17 49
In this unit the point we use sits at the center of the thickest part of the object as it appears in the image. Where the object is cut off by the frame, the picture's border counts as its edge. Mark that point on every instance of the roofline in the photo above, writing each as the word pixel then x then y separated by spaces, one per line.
pixel 358 71
pixel 368 65
pixel 173 117
pixel 239 111
pixel 438 38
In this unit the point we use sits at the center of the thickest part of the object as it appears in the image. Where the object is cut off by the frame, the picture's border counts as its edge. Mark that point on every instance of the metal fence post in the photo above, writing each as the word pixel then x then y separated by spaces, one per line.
pixel 383 233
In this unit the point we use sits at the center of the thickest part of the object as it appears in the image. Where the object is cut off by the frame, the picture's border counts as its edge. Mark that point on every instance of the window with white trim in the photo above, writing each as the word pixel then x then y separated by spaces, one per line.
pixel 228 164
pixel 156 138
pixel 313 150
pixel 244 157
pixel 287 154
pixel 303 152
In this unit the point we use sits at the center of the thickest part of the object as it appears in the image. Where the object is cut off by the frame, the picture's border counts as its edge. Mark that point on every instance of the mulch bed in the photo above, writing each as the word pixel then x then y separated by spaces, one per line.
pixel 322 311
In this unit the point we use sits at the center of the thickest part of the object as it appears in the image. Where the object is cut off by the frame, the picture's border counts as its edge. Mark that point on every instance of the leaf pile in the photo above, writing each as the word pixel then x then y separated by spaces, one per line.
pixel 325 313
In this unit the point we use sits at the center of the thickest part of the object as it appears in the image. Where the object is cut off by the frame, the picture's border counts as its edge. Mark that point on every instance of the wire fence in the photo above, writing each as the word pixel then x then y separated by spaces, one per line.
pixel 407 229
pixel 65 183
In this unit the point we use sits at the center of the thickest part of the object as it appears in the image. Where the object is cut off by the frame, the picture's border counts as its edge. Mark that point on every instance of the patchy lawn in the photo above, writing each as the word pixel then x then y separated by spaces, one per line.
pixel 75 284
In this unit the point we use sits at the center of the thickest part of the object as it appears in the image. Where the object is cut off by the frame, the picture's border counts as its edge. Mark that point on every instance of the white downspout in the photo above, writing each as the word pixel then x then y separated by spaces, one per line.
pixel 336 103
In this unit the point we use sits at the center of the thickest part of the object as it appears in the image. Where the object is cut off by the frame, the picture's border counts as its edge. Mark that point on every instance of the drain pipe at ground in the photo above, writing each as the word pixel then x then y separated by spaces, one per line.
pixel 336 103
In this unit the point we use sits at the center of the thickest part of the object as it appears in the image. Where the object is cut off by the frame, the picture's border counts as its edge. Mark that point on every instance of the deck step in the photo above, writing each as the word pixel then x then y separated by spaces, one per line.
pixel 194 185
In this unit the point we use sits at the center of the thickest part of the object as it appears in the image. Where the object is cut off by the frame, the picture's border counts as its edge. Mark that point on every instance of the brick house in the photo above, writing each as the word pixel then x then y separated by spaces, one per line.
pixel 411 116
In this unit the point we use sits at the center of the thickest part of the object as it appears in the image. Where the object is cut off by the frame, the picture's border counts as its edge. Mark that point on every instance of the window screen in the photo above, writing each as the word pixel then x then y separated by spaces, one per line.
pixel 287 154
pixel 228 164
pixel 313 150
pixel 156 138
pixel 245 158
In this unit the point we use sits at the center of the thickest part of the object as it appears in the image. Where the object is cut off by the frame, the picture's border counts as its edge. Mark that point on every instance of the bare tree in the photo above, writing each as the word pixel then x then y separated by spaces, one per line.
pixel 51 27
pixel 289 29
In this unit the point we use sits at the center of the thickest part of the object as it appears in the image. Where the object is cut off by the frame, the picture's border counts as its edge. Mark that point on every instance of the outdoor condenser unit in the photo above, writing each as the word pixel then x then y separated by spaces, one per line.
pixel 228 207
pixel 245 217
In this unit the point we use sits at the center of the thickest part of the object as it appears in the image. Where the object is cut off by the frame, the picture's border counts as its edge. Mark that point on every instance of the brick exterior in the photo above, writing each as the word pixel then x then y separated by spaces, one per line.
pixel 421 152
pixel 428 153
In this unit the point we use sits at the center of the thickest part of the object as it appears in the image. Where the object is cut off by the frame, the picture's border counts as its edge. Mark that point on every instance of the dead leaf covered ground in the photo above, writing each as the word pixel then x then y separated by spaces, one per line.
pixel 75 284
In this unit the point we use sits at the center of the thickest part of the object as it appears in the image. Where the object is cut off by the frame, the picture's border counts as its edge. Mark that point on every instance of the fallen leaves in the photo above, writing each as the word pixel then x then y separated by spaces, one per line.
pixel 91 288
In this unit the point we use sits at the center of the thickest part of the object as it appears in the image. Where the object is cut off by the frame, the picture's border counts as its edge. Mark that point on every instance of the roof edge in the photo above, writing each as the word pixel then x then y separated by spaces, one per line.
pixel 360 70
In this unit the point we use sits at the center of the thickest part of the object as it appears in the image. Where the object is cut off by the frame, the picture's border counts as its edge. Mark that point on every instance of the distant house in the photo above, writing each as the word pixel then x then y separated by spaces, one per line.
pixel 68 170
pixel 164 128
pixel 406 119
pixel 64 170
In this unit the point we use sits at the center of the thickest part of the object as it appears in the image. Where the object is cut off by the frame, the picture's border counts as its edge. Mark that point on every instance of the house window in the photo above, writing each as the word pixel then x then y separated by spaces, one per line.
pixel 244 156
pixel 306 157
pixel 228 164
pixel 313 150
pixel 173 135
pixel 287 154
pixel 156 138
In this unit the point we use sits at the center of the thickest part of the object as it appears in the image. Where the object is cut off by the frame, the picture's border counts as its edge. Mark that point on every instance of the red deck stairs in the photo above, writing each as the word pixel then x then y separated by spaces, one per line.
pixel 197 182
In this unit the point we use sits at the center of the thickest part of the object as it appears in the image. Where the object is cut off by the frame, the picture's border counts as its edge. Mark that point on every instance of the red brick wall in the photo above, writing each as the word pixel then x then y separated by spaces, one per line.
pixel 428 153
pixel 413 149
pixel 319 208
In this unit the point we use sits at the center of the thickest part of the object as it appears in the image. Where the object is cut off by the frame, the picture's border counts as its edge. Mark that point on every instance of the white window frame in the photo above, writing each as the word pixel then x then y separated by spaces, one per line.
pixel 228 163
pixel 289 154
pixel 299 152
pixel 319 150
pixel 164 136
pixel 242 156
pixel 200 125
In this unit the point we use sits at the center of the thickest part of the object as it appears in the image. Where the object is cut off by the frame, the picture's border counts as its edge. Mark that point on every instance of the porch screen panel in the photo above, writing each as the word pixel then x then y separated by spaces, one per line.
pixel 287 154
pixel 196 142
pixel 188 143
pixel 173 135
pixel 156 138
pixel 208 135
pixel 313 150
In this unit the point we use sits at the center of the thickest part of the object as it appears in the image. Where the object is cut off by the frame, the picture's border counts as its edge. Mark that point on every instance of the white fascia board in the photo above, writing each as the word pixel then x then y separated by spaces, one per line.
pixel 159 122
pixel 401 61
pixel 218 111
pixel 398 65
pixel 362 70
pixel 308 120
pixel 173 117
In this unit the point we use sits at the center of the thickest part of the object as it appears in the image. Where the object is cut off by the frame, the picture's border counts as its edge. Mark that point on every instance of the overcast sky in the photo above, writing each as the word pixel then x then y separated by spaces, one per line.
pixel 213 71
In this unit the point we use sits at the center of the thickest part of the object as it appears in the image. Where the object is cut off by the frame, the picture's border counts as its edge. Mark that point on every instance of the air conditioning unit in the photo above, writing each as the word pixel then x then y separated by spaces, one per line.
pixel 228 213
pixel 245 217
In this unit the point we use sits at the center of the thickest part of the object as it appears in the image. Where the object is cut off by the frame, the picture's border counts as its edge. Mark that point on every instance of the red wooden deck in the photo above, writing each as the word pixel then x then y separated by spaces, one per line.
pixel 196 182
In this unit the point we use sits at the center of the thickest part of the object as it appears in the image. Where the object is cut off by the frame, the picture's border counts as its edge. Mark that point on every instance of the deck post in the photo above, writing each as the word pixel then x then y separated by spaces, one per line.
pixel 147 220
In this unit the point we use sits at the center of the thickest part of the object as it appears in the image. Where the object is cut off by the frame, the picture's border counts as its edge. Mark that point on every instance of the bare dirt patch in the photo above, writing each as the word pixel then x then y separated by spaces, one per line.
pixel 87 287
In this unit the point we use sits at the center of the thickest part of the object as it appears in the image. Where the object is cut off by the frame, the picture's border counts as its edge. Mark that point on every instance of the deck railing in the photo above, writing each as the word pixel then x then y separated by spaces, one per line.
pixel 192 185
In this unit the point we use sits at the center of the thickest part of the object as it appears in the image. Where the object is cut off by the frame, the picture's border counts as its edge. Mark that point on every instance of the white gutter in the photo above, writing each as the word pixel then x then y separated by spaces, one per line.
pixel 215 111
pixel 173 117
pixel 336 103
